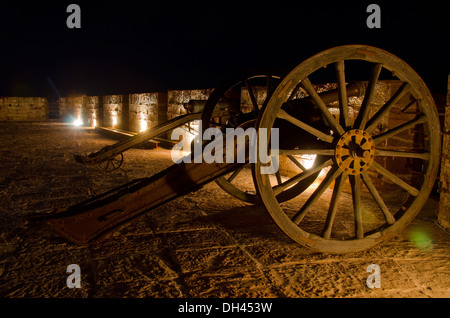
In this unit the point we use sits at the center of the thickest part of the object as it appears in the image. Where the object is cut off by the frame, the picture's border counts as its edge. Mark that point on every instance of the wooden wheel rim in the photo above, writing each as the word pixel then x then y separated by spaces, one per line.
pixel 426 105
pixel 112 163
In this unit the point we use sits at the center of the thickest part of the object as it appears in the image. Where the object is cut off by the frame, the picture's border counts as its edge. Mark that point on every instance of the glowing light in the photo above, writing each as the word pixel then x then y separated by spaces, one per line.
pixel 114 120
pixel 78 122
pixel 307 160
pixel 94 123
pixel 421 240
pixel 143 125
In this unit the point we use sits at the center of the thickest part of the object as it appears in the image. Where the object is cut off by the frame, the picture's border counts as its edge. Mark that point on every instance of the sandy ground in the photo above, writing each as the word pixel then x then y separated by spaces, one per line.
pixel 205 244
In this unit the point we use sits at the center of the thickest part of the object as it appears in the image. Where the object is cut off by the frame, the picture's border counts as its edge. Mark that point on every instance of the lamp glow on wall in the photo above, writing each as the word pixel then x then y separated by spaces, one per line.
pixel 78 122
pixel 114 120
pixel 143 125
pixel 306 160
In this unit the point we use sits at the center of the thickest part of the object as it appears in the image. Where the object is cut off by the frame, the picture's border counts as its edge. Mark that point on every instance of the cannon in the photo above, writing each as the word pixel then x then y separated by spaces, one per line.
pixel 354 145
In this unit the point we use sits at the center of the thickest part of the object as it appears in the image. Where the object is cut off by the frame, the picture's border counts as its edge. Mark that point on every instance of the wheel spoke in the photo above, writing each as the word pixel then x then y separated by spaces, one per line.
pixel 235 173
pixel 306 84
pixel 325 152
pixel 357 164
pixel 410 189
pixel 371 124
pixel 387 215
pixel 326 234
pixel 252 96
pixel 360 121
pixel 294 92
pixel 394 131
pixel 355 183
pixel 402 154
pixel 268 90
pixel 301 176
pixel 278 176
pixel 295 161
pixel 344 119
pixel 404 109
pixel 330 177
pixel 322 136
pixel 277 173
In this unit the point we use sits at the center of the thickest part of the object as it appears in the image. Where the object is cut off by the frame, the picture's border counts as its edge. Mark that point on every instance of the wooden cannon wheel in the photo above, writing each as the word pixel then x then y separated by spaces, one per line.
pixel 113 163
pixel 365 142
pixel 226 101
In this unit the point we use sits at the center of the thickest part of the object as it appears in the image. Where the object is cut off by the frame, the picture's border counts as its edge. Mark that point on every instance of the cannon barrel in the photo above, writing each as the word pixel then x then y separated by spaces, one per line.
pixel 355 89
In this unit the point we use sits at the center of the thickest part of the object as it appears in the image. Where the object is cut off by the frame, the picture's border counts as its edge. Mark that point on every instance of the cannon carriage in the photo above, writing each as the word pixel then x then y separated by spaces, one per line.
pixel 353 145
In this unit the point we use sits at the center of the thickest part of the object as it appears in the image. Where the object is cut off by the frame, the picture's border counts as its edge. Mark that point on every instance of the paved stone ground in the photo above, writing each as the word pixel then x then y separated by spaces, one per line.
pixel 206 244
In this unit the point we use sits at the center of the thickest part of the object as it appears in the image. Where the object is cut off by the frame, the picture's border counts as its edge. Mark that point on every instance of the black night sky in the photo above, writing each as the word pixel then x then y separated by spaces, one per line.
pixel 149 46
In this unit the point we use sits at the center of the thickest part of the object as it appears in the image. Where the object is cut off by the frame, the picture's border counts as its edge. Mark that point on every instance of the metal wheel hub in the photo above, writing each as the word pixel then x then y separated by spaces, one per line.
pixel 355 151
